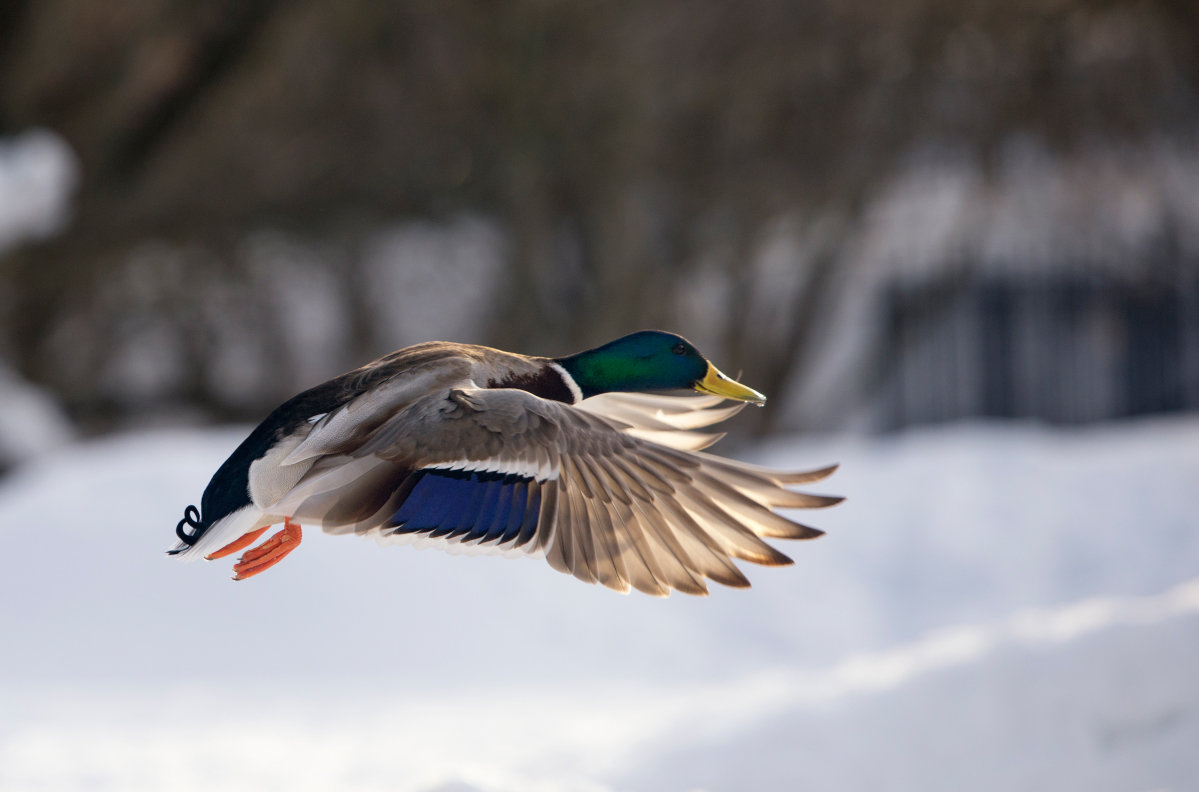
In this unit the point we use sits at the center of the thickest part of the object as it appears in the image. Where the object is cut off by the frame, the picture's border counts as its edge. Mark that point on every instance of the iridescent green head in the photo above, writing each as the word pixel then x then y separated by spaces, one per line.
pixel 651 360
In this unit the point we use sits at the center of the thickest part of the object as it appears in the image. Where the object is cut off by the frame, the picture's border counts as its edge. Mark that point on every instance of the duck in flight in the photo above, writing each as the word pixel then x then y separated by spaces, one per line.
pixel 586 460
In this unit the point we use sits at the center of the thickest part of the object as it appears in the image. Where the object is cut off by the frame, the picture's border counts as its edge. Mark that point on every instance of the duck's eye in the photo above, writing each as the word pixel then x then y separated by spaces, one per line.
pixel 680 348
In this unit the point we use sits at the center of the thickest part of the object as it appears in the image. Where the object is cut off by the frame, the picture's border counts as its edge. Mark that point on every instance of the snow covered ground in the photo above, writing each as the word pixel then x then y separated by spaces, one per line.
pixel 38 175
pixel 994 608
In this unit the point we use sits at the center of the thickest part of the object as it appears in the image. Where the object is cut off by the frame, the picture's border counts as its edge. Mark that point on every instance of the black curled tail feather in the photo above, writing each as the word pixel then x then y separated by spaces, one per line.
pixel 192 519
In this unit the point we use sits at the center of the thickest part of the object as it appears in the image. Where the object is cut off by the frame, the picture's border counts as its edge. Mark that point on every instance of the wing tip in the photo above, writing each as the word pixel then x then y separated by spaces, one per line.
pixel 730 576
pixel 807 476
pixel 778 559
pixel 825 501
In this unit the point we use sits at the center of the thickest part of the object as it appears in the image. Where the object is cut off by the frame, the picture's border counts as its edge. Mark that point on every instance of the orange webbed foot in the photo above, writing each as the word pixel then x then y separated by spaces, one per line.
pixel 235 545
pixel 270 552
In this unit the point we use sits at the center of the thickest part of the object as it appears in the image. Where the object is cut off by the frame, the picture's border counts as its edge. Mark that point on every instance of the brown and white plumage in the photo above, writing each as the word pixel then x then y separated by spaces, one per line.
pixel 477 450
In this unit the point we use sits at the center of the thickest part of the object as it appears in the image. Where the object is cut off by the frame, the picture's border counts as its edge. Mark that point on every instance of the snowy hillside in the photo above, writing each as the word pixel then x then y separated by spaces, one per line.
pixel 993 608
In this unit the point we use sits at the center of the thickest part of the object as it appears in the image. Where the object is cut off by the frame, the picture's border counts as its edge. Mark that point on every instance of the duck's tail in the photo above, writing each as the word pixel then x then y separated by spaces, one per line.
pixel 198 537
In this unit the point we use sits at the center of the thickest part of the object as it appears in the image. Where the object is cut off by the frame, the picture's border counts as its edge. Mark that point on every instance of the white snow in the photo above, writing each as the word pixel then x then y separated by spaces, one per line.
pixel 1104 209
pixel 995 607
pixel 38 175
pixel 31 422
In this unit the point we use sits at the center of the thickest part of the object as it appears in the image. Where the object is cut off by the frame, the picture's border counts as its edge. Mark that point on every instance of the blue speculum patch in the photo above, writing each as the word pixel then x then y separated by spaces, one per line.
pixel 486 506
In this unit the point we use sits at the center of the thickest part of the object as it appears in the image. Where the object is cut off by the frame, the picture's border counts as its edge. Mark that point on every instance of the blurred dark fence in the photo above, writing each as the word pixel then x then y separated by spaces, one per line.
pixel 274 192
pixel 1058 349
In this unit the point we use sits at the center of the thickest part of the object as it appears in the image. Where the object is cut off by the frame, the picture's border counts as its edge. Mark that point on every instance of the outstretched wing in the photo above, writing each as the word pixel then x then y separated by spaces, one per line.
pixel 612 492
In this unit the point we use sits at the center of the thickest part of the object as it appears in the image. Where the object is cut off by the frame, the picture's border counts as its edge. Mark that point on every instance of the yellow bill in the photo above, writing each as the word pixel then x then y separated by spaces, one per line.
pixel 719 385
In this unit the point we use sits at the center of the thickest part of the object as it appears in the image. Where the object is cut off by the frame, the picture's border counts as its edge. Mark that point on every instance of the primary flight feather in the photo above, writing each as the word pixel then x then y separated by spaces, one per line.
pixel 575 459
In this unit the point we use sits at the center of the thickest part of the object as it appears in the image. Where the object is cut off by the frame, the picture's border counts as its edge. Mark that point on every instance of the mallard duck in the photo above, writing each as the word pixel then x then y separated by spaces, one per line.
pixel 475 449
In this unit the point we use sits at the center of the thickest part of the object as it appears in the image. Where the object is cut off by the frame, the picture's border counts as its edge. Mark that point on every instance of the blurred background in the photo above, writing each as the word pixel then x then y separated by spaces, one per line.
pixel 898 219
pixel 882 213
